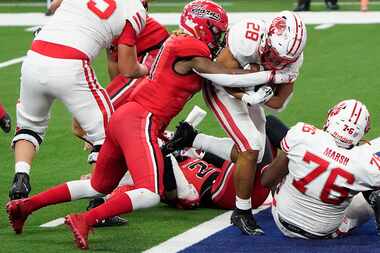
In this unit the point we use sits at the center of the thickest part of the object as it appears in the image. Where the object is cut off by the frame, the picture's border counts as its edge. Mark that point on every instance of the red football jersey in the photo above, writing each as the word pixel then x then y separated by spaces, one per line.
pixel 197 172
pixel 150 38
pixel 165 92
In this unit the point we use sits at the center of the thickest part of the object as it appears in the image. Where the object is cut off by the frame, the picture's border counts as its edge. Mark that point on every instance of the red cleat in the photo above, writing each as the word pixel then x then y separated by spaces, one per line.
pixel 17 214
pixel 80 229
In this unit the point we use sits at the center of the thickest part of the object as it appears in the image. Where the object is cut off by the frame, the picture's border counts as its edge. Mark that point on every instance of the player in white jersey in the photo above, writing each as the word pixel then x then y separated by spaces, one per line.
pixel 318 172
pixel 58 67
pixel 277 48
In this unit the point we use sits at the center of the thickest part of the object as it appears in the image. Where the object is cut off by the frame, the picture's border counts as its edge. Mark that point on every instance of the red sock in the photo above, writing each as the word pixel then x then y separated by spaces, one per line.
pixel 116 205
pixel 2 111
pixel 55 195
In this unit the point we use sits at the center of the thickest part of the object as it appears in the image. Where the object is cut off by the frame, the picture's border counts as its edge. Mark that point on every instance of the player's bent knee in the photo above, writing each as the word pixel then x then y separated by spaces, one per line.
pixel 27 135
pixel 143 198
pixel 80 189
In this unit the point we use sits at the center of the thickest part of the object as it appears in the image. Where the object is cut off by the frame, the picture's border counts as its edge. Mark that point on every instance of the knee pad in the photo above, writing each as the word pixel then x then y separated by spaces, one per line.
pixel 27 135
pixel 143 198
pixel 93 156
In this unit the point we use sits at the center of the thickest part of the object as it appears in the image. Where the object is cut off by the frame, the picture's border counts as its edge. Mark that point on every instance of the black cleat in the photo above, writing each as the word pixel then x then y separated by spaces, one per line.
pixel 302 7
pixel 20 188
pixel 5 123
pixel 244 220
pixel 183 137
pixel 374 201
pixel 332 6
pixel 109 222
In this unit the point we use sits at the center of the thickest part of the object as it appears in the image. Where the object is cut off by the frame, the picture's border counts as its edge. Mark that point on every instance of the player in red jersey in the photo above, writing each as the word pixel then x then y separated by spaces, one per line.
pixel 148 43
pixel 134 128
pixel 5 120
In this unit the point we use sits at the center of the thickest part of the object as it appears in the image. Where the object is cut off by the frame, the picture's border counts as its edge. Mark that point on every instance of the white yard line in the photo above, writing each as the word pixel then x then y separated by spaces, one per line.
pixel 314 18
pixel 11 62
pixel 198 233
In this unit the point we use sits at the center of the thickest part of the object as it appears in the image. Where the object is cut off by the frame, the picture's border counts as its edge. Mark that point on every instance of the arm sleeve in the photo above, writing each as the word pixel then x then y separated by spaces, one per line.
pixel 238 80
pixel 128 36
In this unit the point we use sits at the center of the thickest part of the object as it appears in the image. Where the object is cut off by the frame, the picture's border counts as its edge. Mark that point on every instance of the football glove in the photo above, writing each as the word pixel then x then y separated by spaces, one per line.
pixel 283 76
pixel 261 96
pixel 5 123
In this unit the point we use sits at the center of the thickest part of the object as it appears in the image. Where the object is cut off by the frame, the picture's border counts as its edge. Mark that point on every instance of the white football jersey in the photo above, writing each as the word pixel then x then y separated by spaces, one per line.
pixel 244 39
pixel 322 179
pixel 89 25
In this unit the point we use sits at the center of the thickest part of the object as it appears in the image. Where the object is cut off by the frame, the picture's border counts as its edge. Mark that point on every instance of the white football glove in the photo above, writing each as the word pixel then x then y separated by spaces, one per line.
pixel 261 96
pixel 284 76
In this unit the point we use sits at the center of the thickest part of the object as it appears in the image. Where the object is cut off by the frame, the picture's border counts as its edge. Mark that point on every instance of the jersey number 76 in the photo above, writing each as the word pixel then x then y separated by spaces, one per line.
pixel 301 184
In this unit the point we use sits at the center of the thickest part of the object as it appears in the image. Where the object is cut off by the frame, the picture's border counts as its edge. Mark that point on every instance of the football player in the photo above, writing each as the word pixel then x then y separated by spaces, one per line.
pixel 151 106
pixel 318 172
pixel 58 66
pixel 271 49
pixel 5 120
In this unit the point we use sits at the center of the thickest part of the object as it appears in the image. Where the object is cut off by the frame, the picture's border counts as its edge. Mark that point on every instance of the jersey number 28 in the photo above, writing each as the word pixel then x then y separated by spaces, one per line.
pixel 330 185
pixel 102 8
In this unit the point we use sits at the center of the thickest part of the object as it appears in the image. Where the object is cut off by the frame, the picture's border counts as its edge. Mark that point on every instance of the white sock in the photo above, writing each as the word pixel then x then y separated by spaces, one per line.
pixel 221 147
pixel 243 204
pixel 80 189
pixel 22 167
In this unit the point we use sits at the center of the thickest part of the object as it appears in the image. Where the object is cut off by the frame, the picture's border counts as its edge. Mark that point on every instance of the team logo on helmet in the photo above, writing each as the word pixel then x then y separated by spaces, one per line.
pixel 203 13
pixel 278 26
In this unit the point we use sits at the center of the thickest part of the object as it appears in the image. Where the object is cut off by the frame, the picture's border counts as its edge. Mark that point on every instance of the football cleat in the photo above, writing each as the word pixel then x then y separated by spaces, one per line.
pixel 244 220
pixel 80 229
pixel 17 214
pixel 20 188
pixel 5 123
pixel 183 137
pixel 374 201
pixel 109 222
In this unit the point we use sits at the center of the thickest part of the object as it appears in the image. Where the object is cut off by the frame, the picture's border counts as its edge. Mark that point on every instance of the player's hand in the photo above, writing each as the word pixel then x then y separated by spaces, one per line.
pixel 261 96
pixel 282 76
pixel 5 123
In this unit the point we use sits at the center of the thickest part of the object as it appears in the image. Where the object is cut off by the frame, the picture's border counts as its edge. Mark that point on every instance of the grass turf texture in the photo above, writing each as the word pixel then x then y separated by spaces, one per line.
pixel 230 5
pixel 340 63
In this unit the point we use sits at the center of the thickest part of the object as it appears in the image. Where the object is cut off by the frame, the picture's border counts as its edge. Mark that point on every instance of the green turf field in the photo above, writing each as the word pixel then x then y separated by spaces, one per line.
pixel 340 63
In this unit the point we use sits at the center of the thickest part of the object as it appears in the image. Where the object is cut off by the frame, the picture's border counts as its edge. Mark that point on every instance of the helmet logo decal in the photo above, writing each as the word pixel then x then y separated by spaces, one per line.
pixel 278 26
pixel 202 13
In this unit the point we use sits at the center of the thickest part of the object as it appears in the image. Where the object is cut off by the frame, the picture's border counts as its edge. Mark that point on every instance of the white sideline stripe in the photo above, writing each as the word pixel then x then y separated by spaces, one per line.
pixel 324 26
pixel 11 62
pixel 316 18
pixel 196 234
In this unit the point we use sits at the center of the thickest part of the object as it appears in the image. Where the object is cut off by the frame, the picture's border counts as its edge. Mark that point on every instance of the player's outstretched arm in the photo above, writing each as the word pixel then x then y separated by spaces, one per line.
pixel 220 75
pixel 128 63
pixel 278 169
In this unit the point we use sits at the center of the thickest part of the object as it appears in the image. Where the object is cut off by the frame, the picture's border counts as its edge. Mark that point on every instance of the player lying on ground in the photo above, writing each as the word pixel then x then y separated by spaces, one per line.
pixel 5 120
pixel 58 67
pixel 318 173
pixel 274 47
pixel 151 106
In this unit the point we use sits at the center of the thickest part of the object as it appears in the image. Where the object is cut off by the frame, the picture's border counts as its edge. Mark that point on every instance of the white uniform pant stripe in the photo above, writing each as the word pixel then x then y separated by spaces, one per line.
pixel 148 124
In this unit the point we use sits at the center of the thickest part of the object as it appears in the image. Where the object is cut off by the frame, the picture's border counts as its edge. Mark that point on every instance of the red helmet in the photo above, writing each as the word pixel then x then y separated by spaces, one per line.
pixel 207 21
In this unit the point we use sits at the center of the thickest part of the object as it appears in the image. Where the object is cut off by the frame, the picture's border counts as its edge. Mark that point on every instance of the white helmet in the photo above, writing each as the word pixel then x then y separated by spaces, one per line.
pixel 347 122
pixel 285 41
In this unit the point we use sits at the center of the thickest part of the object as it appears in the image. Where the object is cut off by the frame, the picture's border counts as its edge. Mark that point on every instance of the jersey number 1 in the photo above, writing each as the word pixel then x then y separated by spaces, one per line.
pixel 329 185
pixel 102 8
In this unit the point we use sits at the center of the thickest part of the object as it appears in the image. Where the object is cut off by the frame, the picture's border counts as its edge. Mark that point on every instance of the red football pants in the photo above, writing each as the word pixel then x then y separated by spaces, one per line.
pixel 131 142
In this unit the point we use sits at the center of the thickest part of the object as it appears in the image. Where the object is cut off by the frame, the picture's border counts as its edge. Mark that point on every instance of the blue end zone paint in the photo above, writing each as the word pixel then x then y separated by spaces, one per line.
pixel 362 240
